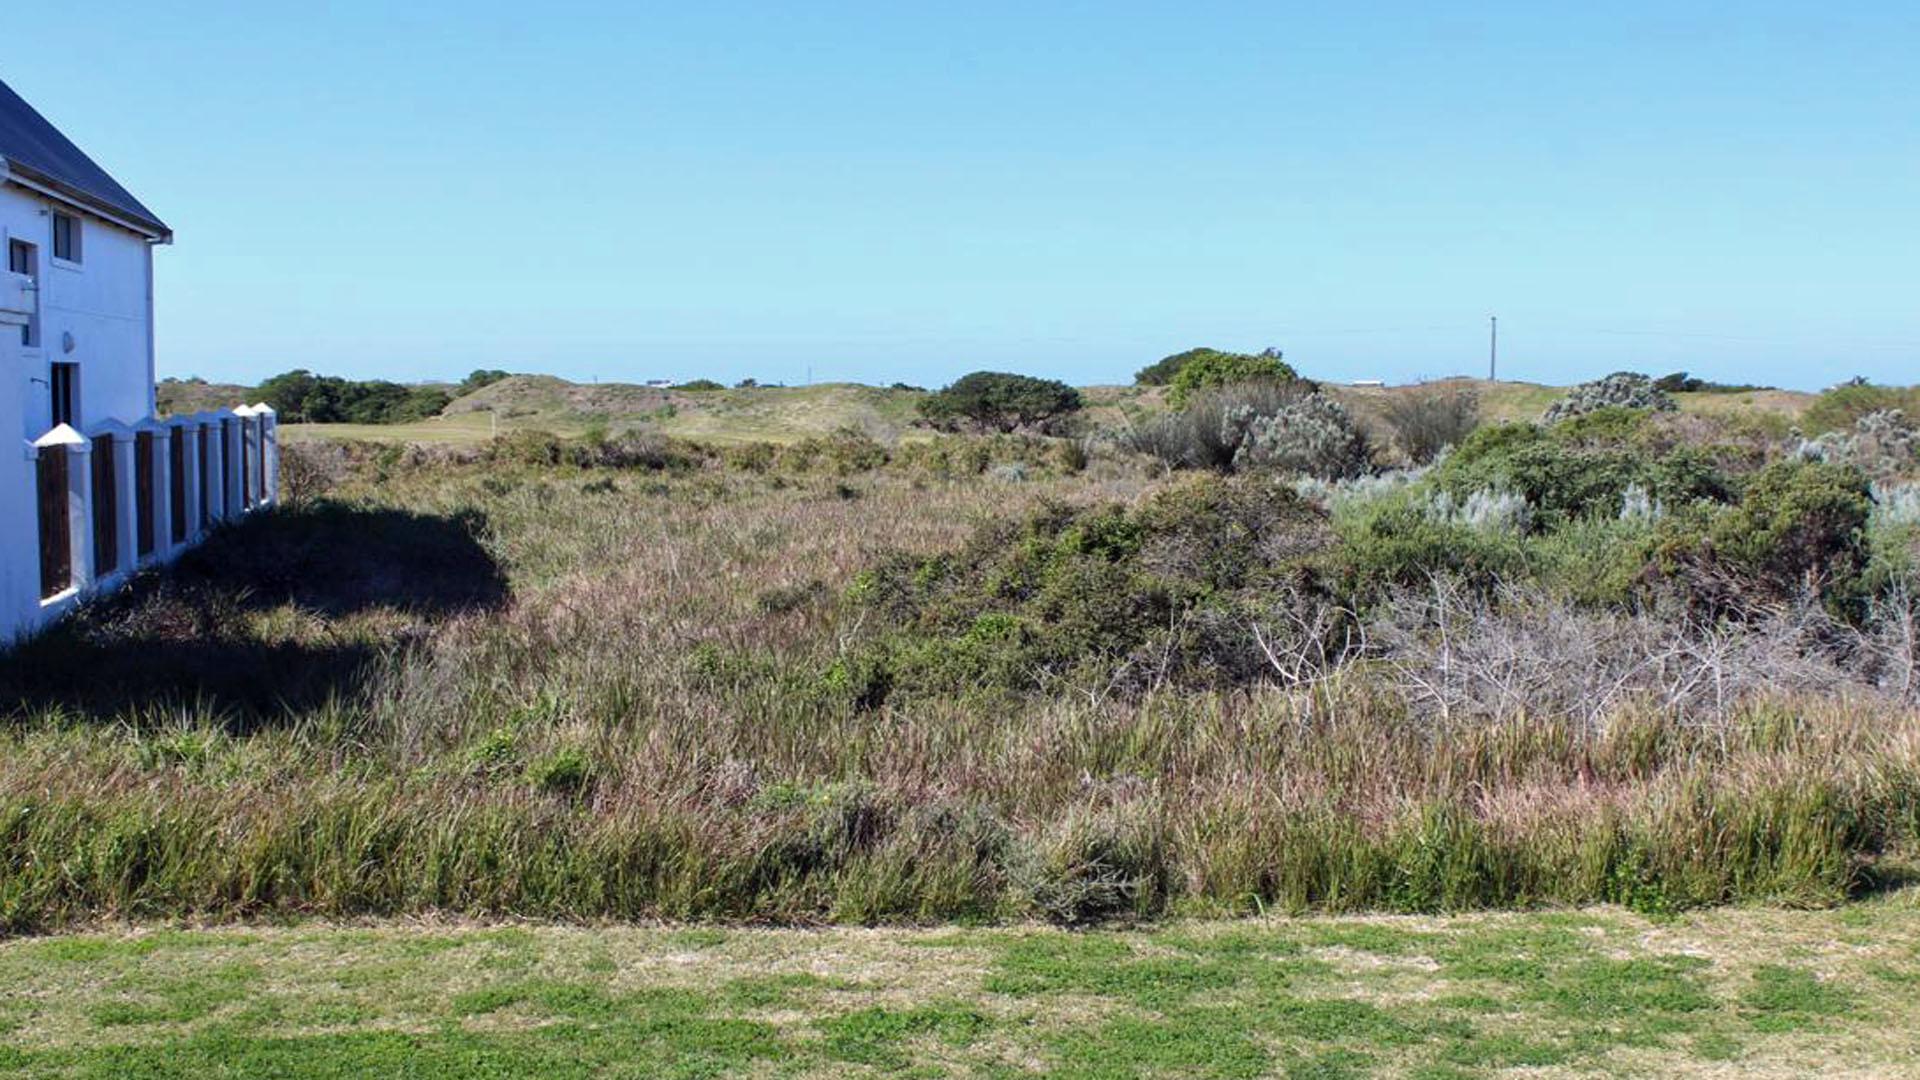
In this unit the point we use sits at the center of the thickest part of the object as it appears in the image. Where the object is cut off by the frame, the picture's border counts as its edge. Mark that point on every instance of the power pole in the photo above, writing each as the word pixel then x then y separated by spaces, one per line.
pixel 1493 347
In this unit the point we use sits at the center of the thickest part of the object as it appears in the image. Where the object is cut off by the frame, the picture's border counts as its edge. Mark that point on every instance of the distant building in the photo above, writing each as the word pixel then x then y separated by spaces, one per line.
pixel 1370 383
pixel 659 384
pixel 98 486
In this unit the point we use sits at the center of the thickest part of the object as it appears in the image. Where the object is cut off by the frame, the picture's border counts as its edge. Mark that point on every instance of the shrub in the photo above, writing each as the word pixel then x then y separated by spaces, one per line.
pixel 1620 390
pixel 300 396
pixel 1311 435
pixel 480 378
pixel 1256 425
pixel 1569 471
pixel 1680 382
pixel 311 468
pixel 1212 370
pixel 1162 372
pixel 561 772
pixel 699 386
pixel 1882 444
pixel 1842 407
pixel 1163 590
pixel 998 401
pixel 1800 527
pixel 1097 865
pixel 1427 420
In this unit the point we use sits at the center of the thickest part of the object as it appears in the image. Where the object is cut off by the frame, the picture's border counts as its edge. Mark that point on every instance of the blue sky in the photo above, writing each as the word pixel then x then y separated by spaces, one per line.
pixel 875 192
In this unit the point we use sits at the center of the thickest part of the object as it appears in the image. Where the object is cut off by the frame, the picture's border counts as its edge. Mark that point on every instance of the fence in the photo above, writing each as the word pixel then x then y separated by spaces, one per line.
pixel 114 499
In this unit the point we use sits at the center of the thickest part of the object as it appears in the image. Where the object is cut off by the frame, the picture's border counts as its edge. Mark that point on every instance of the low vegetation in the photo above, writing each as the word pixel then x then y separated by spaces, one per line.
pixel 1638 657
pixel 1603 992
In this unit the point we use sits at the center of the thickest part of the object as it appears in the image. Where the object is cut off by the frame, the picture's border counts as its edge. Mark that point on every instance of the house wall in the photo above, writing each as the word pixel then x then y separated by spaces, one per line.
pixel 103 305
pixel 103 302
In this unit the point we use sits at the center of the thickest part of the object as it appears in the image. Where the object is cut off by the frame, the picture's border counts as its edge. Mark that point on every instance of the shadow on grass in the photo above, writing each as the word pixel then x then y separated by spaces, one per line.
pixel 270 617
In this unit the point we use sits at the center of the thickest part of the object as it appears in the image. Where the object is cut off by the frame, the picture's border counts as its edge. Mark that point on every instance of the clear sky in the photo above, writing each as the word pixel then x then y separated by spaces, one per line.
pixel 887 191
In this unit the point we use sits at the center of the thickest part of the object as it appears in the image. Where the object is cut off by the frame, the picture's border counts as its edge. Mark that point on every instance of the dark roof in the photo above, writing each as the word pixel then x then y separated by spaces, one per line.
pixel 37 151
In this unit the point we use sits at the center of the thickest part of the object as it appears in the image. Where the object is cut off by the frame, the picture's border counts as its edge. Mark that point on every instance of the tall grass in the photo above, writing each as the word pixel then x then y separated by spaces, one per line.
pixel 644 725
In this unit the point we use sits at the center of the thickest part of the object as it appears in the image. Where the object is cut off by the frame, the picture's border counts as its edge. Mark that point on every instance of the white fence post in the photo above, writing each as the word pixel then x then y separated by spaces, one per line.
pixel 126 478
pixel 160 481
pixel 269 452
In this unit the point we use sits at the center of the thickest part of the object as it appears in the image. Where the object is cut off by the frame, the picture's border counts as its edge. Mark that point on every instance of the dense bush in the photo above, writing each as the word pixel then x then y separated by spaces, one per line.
pixel 1311 435
pixel 1429 419
pixel 1843 406
pixel 480 378
pixel 998 401
pixel 1163 371
pixel 1620 390
pixel 1212 370
pixel 1800 528
pixel 300 396
pixel 1161 591
pixel 1577 469
pixel 1278 426
pixel 1883 443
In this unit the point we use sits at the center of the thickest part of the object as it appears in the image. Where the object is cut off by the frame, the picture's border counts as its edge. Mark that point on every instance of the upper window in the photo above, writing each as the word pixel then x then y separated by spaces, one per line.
pixel 66 237
pixel 20 260
pixel 63 388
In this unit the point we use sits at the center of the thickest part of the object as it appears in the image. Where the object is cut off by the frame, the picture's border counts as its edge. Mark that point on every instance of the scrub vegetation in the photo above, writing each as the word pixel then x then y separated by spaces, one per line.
pixel 1632 656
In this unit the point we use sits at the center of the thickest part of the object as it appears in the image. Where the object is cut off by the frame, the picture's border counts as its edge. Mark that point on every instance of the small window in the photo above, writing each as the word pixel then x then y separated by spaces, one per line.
pixel 66 237
pixel 64 385
pixel 20 260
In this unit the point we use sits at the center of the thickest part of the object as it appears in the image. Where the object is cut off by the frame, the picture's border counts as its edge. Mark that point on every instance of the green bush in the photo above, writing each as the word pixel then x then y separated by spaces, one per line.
pixel 1578 469
pixel 1798 527
pixel 999 401
pixel 1212 370
pixel 1842 407
pixel 1163 371
pixel 1169 584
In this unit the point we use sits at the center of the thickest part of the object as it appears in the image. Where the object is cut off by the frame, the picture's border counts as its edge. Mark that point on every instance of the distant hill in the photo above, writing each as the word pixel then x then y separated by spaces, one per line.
pixel 178 397
pixel 790 413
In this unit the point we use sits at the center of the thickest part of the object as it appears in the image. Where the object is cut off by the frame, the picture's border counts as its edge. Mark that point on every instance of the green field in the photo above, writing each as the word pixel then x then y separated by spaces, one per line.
pixel 1754 993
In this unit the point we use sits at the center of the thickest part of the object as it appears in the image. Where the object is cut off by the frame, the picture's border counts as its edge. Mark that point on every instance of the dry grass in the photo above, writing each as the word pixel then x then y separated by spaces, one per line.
pixel 643 719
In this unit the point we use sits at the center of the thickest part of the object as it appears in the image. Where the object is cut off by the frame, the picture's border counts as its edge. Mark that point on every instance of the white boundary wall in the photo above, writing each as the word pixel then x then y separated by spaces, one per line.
pixel 238 474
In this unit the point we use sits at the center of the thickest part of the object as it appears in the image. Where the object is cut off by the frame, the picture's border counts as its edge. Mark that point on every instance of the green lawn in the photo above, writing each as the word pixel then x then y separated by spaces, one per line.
pixel 1748 992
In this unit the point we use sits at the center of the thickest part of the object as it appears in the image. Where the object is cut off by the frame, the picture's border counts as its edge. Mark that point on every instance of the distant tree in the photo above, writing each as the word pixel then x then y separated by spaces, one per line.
pixel 1163 371
pixel 480 378
pixel 1217 369
pixel 698 385
pixel 300 396
pixel 746 384
pixel 999 401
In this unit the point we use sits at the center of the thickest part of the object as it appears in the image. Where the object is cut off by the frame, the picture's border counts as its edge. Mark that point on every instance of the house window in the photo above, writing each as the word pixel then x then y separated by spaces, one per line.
pixel 66 237
pixel 20 260
pixel 64 387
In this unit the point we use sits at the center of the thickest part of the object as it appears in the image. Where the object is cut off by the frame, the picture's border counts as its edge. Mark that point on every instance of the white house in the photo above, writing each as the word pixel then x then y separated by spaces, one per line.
pixel 92 485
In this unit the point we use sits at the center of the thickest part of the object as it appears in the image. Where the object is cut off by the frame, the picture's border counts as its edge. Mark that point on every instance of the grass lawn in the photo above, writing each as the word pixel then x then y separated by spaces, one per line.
pixel 1730 991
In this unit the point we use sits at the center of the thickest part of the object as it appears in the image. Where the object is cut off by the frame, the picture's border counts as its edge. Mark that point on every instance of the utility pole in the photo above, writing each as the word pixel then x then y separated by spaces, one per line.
pixel 1493 347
